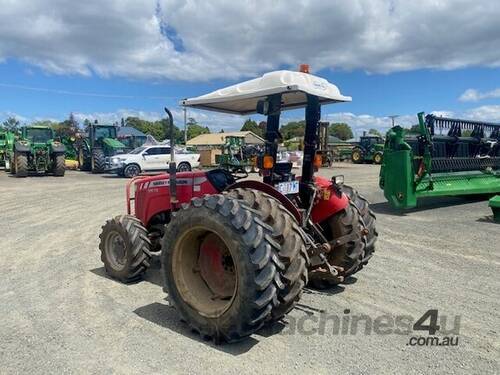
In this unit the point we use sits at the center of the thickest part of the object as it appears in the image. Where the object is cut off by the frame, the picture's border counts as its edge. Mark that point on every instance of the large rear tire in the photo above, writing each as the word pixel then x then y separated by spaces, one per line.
pixel 125 248
pixel 59 165
pixel 98 160
pixel 349 255
pixel 220 267
pixel 357 156
pixel 21 165
pixel 369 220
pixel 293 253
pixel 84 162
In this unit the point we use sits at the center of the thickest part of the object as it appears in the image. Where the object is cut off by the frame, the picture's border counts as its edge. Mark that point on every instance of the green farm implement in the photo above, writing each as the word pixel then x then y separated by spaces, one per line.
pixel 448 157
pixel 95 149
pixel 495 207
pixel 369 149
pixel 37 151
pixel 7 140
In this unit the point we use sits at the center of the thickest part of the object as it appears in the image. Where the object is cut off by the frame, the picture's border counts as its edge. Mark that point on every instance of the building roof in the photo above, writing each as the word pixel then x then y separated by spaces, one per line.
pixel 333 139
pixel 216 139
pixel 127 131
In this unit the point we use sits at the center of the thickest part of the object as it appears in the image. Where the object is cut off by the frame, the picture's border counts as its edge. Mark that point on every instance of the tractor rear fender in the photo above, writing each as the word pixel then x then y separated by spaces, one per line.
pixel 329 200
pixel 268 189
pixel 152 193
pixel 58 148
pixel 22 147
pixel 327 204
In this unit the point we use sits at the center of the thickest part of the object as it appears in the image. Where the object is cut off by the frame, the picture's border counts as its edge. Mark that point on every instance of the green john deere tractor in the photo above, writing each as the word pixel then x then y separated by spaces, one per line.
pixel 95 149
pixel 233 158
pixel 37 151
pixel 448 157
pixel 369 149
pixel 7 140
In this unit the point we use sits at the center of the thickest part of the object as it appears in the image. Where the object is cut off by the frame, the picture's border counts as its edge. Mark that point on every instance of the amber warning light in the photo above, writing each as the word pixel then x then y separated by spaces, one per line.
pixel 304 68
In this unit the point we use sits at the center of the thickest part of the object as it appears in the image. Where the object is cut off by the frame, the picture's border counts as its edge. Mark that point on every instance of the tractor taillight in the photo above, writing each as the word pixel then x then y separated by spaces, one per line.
pixel 268 162
pixel 318 161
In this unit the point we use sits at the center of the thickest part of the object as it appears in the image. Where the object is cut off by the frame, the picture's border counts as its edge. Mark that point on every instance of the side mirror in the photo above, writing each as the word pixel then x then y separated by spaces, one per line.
pixel 263 107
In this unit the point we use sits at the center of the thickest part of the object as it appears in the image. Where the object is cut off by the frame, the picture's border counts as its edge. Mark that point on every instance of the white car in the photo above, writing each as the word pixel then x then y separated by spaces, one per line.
pixel 153 158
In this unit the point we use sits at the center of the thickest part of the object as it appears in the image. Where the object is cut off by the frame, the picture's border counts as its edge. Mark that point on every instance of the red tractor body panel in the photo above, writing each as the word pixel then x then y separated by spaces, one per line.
pixel 327 202
pixel 152 194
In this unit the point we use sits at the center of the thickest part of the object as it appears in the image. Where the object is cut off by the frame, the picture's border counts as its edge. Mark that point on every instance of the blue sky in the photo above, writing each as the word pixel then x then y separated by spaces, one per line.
pixel 99 62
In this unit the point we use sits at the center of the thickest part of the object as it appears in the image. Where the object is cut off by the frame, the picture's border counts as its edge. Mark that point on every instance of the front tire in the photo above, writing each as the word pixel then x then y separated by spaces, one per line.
pixel 131 170
pixel 21 165
pixel 125 248
pixel 377 158
pixel 184 167
pixel 59 165
pixel 98 161
pixel 220 268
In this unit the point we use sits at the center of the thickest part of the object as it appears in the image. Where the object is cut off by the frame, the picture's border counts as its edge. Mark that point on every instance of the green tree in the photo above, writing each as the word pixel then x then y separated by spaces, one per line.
pixel 160 129
pixel 414 129
pixel 252 126
pixel 11 124
pixel 293 129
pixel 194 129
pixel 341 130
pixel 65 129
pixel 375 132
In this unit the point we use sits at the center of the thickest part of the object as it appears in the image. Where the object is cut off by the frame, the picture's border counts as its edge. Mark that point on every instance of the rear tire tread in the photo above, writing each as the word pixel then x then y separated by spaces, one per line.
pixel 292 254
pixel 253 234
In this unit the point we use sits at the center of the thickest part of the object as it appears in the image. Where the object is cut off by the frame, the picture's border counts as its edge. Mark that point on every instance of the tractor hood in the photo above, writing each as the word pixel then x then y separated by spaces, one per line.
pixel 113 143
pixel 242 98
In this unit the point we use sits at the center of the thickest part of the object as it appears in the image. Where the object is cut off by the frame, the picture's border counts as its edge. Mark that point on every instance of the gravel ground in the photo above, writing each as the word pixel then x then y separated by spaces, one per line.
pixel 61 314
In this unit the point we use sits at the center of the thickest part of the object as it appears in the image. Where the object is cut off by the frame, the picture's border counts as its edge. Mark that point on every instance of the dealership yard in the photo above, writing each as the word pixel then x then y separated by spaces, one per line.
pixel 60 313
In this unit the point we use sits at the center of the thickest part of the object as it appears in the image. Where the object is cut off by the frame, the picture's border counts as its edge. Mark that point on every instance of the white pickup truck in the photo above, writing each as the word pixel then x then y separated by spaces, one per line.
pixel 153 158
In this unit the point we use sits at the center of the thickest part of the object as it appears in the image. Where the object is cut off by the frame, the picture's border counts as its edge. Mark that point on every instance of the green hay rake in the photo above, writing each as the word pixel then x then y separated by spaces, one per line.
pixel 448 157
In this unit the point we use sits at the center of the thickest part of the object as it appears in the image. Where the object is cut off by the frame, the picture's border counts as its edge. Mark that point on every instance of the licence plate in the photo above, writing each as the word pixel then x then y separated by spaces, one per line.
pixel 291 187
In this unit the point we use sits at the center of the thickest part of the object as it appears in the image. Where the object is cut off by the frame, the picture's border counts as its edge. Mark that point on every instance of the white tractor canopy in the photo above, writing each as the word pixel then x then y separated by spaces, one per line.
pixel 242 98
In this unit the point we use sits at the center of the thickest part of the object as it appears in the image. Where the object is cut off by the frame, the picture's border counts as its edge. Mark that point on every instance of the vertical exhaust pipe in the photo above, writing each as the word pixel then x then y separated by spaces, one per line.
pixel 172 168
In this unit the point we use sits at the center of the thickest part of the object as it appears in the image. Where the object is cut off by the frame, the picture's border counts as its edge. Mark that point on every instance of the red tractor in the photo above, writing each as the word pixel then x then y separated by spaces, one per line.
pixel 236 254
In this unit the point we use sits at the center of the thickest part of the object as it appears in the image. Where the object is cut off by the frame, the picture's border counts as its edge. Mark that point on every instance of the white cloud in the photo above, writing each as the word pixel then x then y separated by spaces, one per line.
pixel 216 121
pixel 201 40
pixel 363 123
pixel 484 113
pixel 473 95
pixel 6 114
